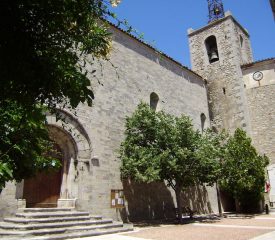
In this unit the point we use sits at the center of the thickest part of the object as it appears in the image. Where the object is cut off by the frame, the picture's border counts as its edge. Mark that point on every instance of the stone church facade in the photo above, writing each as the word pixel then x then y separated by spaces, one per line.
pixel 223 90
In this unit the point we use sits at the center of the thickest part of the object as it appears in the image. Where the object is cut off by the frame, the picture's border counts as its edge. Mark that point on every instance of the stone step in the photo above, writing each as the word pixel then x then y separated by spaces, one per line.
pixel 51 214
pixel 71 235
pixel 20 220
pixel 22 227
pixel 50 224
pixel 45 209
pixel 51 231
pixel 238 216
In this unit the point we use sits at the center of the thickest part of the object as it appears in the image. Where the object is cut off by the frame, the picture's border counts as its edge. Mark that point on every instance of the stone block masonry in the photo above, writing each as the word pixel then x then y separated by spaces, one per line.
pixel 227 100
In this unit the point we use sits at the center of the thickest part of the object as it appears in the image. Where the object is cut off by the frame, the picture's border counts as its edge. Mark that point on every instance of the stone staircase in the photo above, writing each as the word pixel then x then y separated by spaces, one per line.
pixel 56 224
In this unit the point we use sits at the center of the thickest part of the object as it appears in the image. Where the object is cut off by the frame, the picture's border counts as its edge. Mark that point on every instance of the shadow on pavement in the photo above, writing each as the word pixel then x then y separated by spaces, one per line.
pixel 185 220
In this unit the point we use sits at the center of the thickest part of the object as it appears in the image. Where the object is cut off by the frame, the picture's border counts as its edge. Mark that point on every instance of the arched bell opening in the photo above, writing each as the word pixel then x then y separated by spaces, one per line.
pixel 212 49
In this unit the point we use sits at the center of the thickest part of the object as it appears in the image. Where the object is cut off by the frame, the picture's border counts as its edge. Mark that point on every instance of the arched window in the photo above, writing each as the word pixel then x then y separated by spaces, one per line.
pixel 203 118
pixel 154 99
pixel 241 41
pixel 212 49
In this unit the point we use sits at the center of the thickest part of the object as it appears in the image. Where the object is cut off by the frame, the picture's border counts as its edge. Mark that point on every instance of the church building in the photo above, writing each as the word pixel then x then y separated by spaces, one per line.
pixel 225 88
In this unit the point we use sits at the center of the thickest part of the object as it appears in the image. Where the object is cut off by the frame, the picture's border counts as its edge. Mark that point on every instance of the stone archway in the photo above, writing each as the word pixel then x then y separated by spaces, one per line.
pixel 69 156
pixel 74 143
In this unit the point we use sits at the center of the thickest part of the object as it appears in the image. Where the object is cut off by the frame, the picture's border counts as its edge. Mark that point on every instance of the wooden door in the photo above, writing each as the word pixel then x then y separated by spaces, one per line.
pixel 43 190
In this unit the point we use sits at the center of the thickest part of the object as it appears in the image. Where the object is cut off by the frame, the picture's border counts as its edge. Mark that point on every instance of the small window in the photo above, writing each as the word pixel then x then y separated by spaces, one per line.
pixel 212 49
pixel 203 118
pixel 241 41
pixel 154 99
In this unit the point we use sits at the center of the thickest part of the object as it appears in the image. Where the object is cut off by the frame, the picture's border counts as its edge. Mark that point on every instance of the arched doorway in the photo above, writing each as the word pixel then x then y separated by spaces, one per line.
pixel 47 188
pixel 75 147
pixel 43 190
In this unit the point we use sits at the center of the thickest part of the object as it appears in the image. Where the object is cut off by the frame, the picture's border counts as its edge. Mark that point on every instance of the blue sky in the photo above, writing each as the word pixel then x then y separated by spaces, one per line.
pixel 165 23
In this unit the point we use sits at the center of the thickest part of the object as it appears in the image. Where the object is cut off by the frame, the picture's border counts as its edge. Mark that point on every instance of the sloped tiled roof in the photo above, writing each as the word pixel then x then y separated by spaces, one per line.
pixel 247 65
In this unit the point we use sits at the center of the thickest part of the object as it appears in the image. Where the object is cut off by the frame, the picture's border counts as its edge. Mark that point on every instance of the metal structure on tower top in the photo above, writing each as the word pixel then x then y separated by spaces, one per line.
pixel 215 9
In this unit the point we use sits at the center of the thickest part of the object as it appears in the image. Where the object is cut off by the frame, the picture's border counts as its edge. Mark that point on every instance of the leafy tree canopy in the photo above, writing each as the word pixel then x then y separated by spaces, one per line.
pixel 243 169
pixel 40 46
pixel 159 146
pixel 43 49
pixel 24 142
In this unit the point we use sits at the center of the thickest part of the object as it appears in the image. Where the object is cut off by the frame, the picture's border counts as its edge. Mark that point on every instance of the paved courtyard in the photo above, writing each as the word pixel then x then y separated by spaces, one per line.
pixel 260 227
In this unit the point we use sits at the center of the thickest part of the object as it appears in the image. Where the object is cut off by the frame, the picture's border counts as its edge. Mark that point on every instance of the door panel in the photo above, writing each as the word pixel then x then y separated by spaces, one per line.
pixel 43 190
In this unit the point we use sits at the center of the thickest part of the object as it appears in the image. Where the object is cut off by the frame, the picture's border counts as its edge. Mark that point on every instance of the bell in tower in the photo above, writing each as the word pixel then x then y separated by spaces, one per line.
pixel 213 56
pixel 215 8
pixel 212 49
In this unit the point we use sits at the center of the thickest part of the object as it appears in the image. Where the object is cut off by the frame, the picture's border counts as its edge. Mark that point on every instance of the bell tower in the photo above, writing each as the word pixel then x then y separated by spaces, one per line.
pixel 217 52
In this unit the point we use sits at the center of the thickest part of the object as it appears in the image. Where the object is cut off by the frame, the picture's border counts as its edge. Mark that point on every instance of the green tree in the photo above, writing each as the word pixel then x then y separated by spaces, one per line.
pixel 24 142
pixel 41 43
pixel 44 46
pixel 161 147
pixel 243 170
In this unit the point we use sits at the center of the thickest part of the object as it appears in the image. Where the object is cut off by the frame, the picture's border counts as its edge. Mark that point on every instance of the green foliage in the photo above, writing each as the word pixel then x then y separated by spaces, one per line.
pixel 139 150
pixel 40 46
pixel 44 46
pixel 24 142
pixel 212 147
pixel 159 146
pixel 243 169
pixel 5 174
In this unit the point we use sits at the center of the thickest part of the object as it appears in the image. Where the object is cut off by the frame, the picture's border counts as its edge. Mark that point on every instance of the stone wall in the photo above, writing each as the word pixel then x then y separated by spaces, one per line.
pixel 139 71
pixel 261 100
pixel 243 45
pixel 135 71
pixel 8 203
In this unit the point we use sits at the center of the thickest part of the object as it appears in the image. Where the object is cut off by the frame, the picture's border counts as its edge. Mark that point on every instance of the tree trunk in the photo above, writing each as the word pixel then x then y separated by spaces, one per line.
pixel 238 205
pixel 179 205
pixel 219 199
